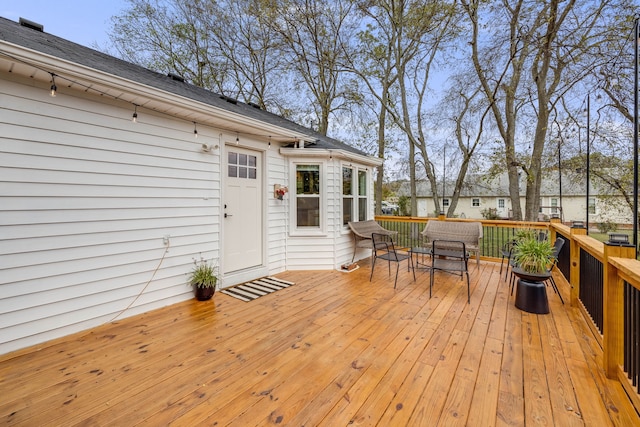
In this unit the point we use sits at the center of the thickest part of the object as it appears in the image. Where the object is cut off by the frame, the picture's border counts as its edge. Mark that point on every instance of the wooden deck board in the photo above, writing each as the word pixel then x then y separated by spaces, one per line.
pixel 334 349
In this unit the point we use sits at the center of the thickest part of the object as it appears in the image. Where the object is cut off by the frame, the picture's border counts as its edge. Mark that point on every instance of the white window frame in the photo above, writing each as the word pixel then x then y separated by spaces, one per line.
pixel 595 206
pixel 473 202
pixel 446 202
pixel 321 230
pixel 355 193
pixel 352 196
pixel 554 205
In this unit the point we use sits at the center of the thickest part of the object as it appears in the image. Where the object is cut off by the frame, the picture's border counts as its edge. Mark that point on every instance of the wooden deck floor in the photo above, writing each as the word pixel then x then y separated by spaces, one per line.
pixel 333 350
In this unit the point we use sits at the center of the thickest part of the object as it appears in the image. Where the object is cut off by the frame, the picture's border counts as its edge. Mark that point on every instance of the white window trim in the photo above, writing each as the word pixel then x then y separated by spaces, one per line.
pixel 595 206
pixel 479 202
pixel 355 196
pixel 293 214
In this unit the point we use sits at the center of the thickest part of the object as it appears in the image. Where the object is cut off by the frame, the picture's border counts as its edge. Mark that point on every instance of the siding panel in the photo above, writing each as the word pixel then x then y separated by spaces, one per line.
pixel 85 199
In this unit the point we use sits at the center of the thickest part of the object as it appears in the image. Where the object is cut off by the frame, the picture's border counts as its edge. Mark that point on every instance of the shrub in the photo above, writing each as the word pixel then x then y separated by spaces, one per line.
pixel 607 226
pixel 490 213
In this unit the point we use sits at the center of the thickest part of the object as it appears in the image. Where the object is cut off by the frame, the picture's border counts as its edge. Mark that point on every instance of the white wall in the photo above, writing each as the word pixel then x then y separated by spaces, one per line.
pixel 85 200
pixel 87 196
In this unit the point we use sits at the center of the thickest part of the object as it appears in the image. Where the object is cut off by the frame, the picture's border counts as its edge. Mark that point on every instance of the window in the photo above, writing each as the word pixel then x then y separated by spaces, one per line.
pixel 500 203
pixel 242 166
pixel 308 196
pixel 347 195
pixel 355 200
pixel 554 205
pixel 363 199
pixel 475 202
pixel 445 203
pixel 592 205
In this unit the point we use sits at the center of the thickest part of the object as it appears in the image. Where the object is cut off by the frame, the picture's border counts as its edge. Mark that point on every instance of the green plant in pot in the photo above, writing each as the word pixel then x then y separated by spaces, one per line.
pixel 533 256
pixel 204 278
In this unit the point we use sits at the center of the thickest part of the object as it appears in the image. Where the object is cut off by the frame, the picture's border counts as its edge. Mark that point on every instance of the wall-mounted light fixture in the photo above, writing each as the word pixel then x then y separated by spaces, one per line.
pixel 134 118
pixel 54 88
pixel 207 148
pixel 195 130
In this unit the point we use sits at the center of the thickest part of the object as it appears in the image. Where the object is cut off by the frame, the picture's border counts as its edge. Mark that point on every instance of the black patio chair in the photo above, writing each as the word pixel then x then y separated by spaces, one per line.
pixel 384 248
pixel 507 253
pixel 450 256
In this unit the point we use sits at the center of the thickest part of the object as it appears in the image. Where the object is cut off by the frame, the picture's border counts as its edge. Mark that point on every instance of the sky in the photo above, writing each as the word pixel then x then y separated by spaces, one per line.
pixel 85 22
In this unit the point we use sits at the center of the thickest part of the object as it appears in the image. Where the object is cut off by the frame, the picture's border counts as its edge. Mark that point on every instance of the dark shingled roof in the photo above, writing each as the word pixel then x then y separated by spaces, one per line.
pixel 49 44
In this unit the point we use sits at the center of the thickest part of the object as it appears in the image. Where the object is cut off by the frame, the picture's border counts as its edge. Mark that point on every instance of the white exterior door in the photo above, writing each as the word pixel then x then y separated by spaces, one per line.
pixel 501 208
pixel 242 209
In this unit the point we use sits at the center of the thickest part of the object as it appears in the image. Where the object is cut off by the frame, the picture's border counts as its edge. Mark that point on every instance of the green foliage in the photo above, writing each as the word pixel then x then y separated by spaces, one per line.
pixel 204 274
pixel 525 234
pixel 403 205
pixel 607 226
pixel 533 255
pixel 490 213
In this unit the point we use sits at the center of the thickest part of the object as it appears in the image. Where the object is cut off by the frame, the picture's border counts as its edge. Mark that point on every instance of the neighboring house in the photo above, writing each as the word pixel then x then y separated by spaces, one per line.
pixel 479 194
pixel 102 216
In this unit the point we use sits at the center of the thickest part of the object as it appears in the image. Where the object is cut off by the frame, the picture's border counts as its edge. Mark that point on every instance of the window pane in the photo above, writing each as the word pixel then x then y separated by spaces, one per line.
pixel 308 209
pixel 242 159
pixel 362 183
pixel 362 209
pixel 475 202
pixel 347 210
pixel 347 181
pixel 233 158
pixel 233 171
pixel 242 172
pixel 308 179
pixel 252 161
pixel 252 173
pixel 592 205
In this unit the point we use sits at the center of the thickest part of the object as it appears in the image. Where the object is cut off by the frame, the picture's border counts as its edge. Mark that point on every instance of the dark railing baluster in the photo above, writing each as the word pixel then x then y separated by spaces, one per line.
pixel 631 360
pixel 591 287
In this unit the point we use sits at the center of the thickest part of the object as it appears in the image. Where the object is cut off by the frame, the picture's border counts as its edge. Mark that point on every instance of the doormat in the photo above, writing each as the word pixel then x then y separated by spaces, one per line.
pixel 256 288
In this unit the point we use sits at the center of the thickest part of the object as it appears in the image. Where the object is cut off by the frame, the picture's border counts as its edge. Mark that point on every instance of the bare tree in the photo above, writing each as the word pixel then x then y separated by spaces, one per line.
pixel 223 46
pixel 315 36
pixel 552 40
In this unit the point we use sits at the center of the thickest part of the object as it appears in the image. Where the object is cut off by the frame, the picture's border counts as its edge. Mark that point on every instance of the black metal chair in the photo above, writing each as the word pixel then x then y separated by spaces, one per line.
pixel 384 248
pixel 557 247
pixel 507 253
pixel 450 256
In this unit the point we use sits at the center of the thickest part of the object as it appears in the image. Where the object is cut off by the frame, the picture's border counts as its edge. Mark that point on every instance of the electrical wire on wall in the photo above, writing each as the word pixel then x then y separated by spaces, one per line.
pixel 145 286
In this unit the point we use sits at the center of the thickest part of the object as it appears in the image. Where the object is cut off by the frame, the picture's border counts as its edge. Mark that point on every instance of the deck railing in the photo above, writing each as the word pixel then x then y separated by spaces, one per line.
pixel 604 283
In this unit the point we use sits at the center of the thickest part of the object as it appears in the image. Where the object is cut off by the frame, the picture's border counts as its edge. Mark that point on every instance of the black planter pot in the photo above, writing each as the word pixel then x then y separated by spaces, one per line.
pixel 204 294
pixel 531 292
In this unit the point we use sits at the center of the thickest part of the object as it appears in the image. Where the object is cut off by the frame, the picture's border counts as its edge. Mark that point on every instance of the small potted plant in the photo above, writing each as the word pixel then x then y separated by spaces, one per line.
pixel 533 255
pixel 280 192
pixel 204 278
pixel 533 259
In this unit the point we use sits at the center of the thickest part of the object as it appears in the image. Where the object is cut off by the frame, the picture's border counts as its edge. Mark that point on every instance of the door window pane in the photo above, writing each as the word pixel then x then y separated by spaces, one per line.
pixel 242 166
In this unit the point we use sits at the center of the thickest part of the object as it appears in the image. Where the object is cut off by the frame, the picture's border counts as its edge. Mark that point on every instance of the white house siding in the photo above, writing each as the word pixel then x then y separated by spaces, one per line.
pixel 85 200
pixel 277 221
pixel 334 247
